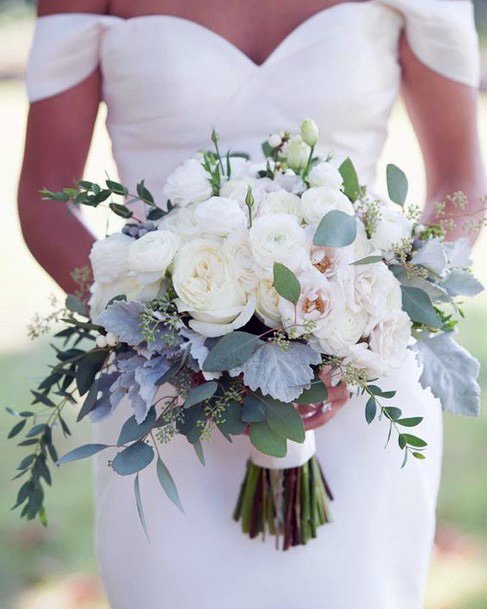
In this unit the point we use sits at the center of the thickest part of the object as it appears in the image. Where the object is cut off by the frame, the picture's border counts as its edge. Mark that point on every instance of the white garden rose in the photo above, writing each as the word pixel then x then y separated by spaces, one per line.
pixel 189 183
pixel 204 282
pixel 326 174
pixel 390 337
pixel 375 290
pixel 347 329
pixel 391 229
pixel 219 216
pixel 102 293
pixel 361 357
pixel 320 200
pixel 182 222
pixel 237 248
pixel 267 308
pixel 108 258
pixel 278 238
pixel 282 202
pixel 149 257
pixel 296 152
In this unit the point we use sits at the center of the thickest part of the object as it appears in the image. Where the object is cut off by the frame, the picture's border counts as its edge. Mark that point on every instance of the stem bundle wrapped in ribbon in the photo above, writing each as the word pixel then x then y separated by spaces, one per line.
pixel 286 497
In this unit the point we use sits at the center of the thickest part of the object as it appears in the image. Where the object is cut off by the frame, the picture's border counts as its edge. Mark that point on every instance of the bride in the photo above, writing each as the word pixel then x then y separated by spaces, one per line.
pixel 169 71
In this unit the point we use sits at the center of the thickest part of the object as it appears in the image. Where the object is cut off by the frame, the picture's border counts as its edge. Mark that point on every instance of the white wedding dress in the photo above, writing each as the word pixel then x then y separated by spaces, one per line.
pixel 167 81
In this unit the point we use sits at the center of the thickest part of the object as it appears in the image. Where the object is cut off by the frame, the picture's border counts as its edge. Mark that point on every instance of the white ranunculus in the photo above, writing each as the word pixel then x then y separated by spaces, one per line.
pixel 149 257
pixel 237 248
pixel 203 280
pixel 108 257
pixel 326 174
pixel 182 222
pixel 219 216
pixel 296 152
pixel 189 183
pixel 237 191
pixel 267 309
pixel 278 238
pixel 375 290
pixel 320 200
pixel 310 132
pixel 391 229
pixel 282 202
pixel 240 168
pixel 390 337
pixel 289 181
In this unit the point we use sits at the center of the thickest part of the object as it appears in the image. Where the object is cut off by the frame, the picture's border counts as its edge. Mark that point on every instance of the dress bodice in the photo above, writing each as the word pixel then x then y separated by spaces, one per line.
pixel 167 81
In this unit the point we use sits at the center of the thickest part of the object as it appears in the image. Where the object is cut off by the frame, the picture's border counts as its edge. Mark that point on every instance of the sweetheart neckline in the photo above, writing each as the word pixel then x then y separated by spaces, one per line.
pixel 347 4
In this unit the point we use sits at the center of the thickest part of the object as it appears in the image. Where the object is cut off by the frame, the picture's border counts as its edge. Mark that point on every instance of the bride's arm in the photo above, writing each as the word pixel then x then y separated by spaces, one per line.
pixel 444 116
pixel 59 132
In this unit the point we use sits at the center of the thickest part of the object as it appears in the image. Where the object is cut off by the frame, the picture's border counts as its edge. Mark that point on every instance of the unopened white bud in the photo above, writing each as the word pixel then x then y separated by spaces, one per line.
pixel 101 341
pixel 274 140
pixel 310 132
pixel 112 339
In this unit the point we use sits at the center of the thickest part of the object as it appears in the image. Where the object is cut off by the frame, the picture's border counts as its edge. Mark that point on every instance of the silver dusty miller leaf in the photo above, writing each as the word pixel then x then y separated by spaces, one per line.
pixel 280 373
pixel 451 373
pixel 123 318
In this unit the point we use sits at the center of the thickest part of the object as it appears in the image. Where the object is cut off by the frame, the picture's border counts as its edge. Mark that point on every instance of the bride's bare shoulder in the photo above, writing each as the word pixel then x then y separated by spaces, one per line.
pixel 51 7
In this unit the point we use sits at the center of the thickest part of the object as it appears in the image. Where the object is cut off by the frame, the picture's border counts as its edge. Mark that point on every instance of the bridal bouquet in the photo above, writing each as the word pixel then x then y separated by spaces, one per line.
pixel 223 307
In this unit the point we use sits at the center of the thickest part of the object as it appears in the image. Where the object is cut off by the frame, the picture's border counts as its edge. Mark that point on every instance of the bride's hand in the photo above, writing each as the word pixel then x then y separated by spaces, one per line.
pixel 316 415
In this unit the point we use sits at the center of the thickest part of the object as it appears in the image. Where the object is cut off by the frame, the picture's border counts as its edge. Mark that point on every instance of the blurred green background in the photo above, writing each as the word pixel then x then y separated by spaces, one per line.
pixel 54 568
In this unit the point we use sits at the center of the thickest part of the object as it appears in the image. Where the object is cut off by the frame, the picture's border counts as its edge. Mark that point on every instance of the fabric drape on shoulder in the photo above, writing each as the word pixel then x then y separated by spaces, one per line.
pixel 65 50
pixel 442 35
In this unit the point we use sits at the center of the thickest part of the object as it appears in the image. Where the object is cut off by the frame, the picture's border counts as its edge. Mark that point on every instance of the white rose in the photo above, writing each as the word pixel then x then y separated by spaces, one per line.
pixel 347 329
pixel 219 216
pixel 278 238
pixel 282 202
pixel 189 183
pixel 326 174
pixel 102 293
pixel 267 308
pixel 375 290
pixel 182 222
pixel 149 256
pixel 237 248
pixel 296 152
pixel 108 257
pixel 310 132
pixel 391 229
pixel 390 337
pixel 361 357
pixel 204 282
pixel 318 201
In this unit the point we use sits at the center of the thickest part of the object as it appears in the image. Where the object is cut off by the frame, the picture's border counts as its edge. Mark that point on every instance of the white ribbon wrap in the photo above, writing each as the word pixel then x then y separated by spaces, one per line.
pixel 297 454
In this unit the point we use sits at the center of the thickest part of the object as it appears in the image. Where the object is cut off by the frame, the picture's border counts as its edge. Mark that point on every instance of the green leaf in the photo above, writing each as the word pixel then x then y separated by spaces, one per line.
pixel 415 441
pixel 231 351
pixel 168 485
pixel 117 188
pixel 82 452
pixel 336 229
pixel 90 401
pixel 140 508
pixel 367 260
pixel 370 410
pixel 198 449
pixel 410 422
pixel 350 179
pixel 397 184
pixel 401 441
pixel 316 393
pixel 144 193
pixel 192 423
pixel 132 431
pixel 155 214
pixel 76 305
pixel 392 413
pixel 419 307
pixel 266 440
pixel 286 283
pixel 200 393
pixel 231 419
pixel 254 409
pixel 169 374
pixel 266 149
pixel 88 368
pixel 121 210
pixel 374 390
pixel 133 459
pixel 37 430
pixel 284 420
pixel 42 398
pixel 419 455
pixel 16 429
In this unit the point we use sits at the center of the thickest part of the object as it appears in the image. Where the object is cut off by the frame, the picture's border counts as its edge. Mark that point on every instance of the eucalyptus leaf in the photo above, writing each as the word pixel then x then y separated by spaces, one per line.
pixel 230 351
pixel 316 393
pixel 88 368
pixel 286 283
pixel 280 373
pixel 367 260
pixel 370 409
pixel 231 421
pixel 132 431
pixel 76 305
pixel 266 440
pixel 133 459
pixel 192 423
pixel 397 184
pixel 419 307
pixel 168 485
pixel 284 420
pixel 200 393
pixel 336 229
pixel 138 503
pixel 451 373
pixel 253 409
pixel 82 452
pixel 350 179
